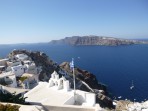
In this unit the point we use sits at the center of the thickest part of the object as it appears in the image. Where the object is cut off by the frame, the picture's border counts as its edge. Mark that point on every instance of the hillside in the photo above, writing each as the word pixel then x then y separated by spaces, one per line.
pixel 95 40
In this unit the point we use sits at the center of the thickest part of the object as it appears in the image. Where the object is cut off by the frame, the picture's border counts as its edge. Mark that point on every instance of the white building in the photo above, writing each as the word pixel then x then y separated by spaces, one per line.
pixel 30 81
pixel 13 63
pixel 11 90
pixel 57 93
pixel 31 68
pixel 2 68
pixel 18 70
pixel 21 57
pixel 3 62
pixel 27 62
pixel 9 78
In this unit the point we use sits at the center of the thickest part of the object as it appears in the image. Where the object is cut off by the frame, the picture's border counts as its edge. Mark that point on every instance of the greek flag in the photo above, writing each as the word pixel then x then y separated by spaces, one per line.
pixel 72 64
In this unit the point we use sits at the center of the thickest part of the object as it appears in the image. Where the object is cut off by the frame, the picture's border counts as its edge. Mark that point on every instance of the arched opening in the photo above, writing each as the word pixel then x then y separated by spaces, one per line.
pixel 56 83
pixel 53 76
pixel 62 83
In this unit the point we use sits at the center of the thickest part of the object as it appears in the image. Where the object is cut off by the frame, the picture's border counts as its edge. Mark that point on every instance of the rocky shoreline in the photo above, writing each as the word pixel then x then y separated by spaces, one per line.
pixel 126 105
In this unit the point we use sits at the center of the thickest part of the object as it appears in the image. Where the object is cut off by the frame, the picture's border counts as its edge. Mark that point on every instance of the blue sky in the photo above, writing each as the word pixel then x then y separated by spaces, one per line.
pixel 30 21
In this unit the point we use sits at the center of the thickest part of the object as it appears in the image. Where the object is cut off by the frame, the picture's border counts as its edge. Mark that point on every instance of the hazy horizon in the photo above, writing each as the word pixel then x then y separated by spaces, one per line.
pixel 146 39
pixel 35 21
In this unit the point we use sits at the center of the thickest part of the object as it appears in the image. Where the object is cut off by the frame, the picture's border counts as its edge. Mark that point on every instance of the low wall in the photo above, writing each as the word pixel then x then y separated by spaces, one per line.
pixel 85 97
pixel 68 108
pixel 70 101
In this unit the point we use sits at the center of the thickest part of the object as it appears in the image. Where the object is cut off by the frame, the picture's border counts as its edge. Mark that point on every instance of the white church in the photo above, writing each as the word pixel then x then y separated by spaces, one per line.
pixel 57 94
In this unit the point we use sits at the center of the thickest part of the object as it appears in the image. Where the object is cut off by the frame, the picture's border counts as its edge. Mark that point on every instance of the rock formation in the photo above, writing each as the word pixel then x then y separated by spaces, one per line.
pixel 95 40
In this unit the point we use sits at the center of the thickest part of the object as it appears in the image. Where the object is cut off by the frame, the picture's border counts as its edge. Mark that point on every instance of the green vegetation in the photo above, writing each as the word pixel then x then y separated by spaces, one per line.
pixel 9 107
pixel 23 78
pixel 12 98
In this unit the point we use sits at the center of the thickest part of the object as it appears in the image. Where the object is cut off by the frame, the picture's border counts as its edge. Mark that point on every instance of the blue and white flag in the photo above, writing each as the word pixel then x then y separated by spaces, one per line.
pixel 72 64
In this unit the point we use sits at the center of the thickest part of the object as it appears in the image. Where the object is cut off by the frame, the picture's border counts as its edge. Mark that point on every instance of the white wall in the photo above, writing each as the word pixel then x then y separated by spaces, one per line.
pixel 69 108
pixel 14 84
pixel 9 76
pixel 21 56
pixel 18 70
pixel 70 101
pixel 85 97
pixel 31 68
pixel 80 96
pixel 2 62
pixel 11 64
pixel 90 99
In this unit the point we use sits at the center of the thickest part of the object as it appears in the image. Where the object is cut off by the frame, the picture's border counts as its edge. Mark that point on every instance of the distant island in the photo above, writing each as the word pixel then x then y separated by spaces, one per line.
pixel 96 40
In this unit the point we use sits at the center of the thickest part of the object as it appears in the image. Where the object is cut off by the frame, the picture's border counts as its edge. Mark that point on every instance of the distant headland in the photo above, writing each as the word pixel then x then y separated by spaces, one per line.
pixel 96 40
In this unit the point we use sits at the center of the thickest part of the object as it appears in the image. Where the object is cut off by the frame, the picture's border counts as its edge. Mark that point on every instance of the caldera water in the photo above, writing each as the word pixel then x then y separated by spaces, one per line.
pixel 115 66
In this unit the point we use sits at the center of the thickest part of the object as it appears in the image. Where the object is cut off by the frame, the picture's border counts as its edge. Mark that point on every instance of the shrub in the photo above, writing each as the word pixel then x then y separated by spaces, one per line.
pixel 9 107
pixel 23 78
pixel 12 98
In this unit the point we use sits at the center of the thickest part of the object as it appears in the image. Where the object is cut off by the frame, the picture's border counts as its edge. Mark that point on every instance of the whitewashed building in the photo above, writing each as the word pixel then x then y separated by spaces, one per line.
pixel 21 57
pixel 3 62
pixel 30 81
pixel 31 68
pixel 13 63
pixel 18 70
pixel 2 68
pixel 9 78
pixel 57 93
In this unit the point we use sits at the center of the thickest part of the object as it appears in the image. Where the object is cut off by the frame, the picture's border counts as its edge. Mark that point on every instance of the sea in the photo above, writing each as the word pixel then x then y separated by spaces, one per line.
pixel 114 66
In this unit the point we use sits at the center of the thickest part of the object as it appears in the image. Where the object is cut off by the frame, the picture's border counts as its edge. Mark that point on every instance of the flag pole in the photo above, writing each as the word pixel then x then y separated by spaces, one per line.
pixel 74 80
pixel 74 83
pixel 74 86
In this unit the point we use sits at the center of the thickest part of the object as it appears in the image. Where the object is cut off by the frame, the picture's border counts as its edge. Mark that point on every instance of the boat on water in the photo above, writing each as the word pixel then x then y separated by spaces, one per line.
pixel 132 86
pixel 120 97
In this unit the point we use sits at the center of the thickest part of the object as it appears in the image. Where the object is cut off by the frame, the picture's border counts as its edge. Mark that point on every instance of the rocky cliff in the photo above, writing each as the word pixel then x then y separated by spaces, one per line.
pixel 95 40
pixel 84 80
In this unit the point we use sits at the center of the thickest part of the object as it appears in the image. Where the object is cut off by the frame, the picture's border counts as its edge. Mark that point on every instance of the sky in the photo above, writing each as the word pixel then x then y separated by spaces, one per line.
pixel 33 21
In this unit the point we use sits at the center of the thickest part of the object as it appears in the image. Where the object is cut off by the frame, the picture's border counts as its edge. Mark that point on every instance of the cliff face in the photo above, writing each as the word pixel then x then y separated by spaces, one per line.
pixel 83 75
pixel 94 40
